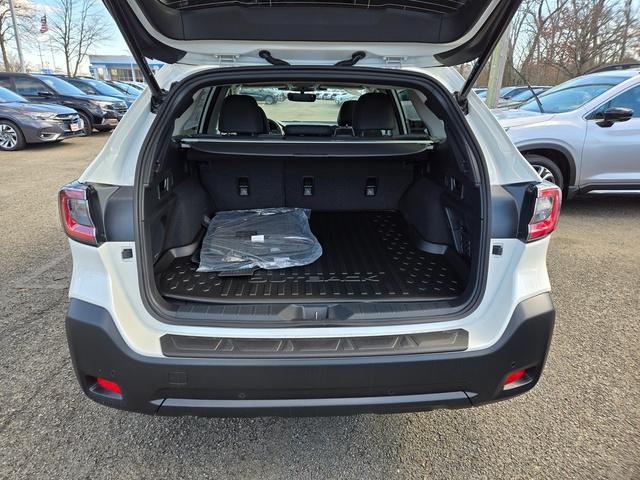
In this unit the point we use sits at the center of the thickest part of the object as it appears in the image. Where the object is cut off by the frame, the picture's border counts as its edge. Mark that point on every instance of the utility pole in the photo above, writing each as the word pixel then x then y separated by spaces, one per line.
pixel 497 65
pixel 15 32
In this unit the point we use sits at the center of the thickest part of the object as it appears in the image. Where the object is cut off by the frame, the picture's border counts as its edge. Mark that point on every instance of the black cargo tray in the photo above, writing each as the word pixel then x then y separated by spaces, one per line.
pixel 366 256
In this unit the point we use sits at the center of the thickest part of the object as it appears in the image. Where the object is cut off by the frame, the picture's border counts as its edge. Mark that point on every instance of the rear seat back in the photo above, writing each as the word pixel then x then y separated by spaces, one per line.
pixel 237 183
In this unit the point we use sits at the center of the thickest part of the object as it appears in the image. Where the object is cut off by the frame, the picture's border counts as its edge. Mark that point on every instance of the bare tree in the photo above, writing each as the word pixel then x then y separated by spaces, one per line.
pixel 554 40
pixel 75 27
pixel 24 11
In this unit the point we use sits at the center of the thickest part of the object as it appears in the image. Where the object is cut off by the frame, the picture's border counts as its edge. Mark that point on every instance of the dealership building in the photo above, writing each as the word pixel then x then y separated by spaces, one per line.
pixel 118 67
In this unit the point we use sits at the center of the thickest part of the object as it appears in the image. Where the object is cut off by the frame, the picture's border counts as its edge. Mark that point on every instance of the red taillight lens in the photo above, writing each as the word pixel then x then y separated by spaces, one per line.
pixel 75 213
pixel 513 376
pixel 546 211
pixel 108 385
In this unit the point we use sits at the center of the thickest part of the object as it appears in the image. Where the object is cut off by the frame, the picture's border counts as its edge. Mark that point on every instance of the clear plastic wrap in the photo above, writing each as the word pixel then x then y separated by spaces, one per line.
pixel 268 238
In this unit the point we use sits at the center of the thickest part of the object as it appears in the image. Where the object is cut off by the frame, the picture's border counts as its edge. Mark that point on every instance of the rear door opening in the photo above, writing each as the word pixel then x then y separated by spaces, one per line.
pixel 382 161
pixel 399 202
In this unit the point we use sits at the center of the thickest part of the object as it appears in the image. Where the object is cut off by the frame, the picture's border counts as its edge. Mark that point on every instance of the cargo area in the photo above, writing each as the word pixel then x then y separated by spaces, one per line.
pixel 390 198
pixel 391 228
pixel 369 255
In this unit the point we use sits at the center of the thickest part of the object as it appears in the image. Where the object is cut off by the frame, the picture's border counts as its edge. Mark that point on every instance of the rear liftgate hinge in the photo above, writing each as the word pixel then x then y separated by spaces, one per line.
pixel 226 60
pixel 156 100
pixel 395 61
pixel 463 103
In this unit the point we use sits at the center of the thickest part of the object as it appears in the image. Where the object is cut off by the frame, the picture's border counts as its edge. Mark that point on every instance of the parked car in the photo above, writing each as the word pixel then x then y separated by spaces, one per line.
pixel 138 85
pixel 266 95
pixel 519 98
pixel 345 97
pixel 124 88
pixel 511 90
pixel 481 92
pixel 91 86
pixel 587 136
pixel 23 122
pixel 96 111
pixel 432 288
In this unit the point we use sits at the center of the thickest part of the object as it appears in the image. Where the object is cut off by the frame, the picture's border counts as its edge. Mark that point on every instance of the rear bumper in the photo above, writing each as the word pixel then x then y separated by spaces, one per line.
pixel 306 386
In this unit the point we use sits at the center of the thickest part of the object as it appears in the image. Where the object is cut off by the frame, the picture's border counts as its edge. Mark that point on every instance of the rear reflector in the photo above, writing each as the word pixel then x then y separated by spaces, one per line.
pixel 546 211
pixel 108 385
pixel 75 213
pixel 514 376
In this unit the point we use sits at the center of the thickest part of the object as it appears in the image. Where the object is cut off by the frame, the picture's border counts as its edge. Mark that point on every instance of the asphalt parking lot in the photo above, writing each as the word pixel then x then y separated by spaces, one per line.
pixel 581 421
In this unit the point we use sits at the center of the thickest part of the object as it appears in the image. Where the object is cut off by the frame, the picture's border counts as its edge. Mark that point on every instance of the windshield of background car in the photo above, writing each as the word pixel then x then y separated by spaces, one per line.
pixel 325 109
pixel 103 88
pixel 9 96
pixel 526 95
pixel 59 85
pixel 574 93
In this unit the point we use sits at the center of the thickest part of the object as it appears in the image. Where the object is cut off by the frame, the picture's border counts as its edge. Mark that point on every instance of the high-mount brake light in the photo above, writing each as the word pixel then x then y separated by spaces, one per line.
pixel 75 213
pixel 545 211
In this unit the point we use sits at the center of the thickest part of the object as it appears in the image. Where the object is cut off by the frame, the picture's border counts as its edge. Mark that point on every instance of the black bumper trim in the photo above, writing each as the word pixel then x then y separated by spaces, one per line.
pixel 306 386
pixel 314 406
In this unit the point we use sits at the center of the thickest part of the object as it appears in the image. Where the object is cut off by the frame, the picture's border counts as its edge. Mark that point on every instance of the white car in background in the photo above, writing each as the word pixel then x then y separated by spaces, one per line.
pixel 583 134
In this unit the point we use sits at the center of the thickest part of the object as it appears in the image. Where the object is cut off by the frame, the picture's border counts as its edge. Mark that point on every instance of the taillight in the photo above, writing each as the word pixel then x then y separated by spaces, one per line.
pixel 75 213
pixel 543 211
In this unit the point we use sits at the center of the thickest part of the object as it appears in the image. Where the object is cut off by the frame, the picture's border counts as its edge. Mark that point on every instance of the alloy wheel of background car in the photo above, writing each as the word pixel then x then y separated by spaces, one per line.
pixel 10 137
pixel 545 173
pixel 547 169
pixel 269 100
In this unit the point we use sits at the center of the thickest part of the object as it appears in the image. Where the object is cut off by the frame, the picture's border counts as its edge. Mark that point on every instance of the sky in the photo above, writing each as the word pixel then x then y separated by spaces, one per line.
pixel 115 45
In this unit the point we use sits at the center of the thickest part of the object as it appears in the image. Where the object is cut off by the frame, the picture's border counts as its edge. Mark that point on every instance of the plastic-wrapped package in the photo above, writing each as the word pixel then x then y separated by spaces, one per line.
pixel 268 238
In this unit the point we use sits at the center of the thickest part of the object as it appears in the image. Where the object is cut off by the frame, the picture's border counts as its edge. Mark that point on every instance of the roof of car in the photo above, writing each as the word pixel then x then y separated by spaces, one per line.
pixel 628 73
pixel 15 74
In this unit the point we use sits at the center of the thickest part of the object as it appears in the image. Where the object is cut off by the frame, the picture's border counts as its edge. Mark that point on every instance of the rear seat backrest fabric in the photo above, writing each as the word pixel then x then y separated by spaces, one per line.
pixel 337 183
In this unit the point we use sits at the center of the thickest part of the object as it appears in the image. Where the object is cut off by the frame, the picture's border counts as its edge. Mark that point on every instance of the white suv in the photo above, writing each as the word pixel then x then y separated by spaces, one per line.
pixel 431 290
pixel 583 134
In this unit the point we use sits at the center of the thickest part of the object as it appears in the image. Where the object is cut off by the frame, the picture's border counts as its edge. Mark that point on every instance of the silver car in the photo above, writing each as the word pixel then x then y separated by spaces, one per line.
pixel 583 134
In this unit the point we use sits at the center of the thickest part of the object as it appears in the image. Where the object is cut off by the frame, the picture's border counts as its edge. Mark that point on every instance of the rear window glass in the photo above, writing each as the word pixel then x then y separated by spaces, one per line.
pixel 300 109
pixel 276 104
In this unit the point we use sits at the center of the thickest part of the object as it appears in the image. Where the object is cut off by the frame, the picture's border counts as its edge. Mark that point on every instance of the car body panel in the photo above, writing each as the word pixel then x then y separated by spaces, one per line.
pixel 599 156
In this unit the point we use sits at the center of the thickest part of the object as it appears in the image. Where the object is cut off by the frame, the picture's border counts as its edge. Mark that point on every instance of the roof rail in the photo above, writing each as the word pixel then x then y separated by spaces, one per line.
pixel 617 66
